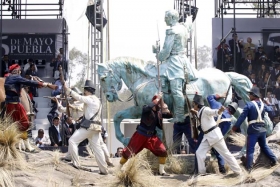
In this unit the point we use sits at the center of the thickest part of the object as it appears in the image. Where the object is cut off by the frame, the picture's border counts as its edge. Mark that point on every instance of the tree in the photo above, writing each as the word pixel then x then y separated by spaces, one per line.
pixel 78 64
pixel 204 57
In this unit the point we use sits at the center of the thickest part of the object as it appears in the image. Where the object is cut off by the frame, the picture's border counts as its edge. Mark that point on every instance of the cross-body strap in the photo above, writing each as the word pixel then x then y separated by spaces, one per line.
pixel 96 112
pixel 201 115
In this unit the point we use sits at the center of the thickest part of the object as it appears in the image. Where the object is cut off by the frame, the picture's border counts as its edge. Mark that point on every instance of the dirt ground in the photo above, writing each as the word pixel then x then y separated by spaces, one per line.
pixel 45 170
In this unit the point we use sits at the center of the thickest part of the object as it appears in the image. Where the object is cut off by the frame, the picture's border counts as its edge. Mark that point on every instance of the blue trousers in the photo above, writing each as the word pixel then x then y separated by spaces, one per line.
pixel 180 129
pixel 252 139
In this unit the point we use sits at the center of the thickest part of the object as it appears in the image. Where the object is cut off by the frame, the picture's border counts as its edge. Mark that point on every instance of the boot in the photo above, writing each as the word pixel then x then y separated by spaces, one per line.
pixel 28 147
pixel 161 170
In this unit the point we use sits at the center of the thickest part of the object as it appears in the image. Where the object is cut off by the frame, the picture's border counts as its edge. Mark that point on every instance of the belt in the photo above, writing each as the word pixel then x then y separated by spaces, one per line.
pixel 13 103
pixel 145 131
pixel 255 121
pixel 209 130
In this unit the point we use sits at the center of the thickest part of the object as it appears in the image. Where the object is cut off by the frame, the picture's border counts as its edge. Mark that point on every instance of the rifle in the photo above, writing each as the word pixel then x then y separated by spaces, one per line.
pixel 193 120
pixel 49 97
pixel 67 106
pixel 64 93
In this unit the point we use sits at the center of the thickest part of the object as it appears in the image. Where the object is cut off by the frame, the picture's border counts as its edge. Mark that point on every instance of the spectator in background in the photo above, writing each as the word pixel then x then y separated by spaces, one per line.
pixel 248 71
pixel 276 54
pixel 53 112
pixel 275 73
pixel 259 53
pixel 265 83
pixel 262 71
pixel 59 86
pixel 253 79
pixel 5 65
pixel 249 48
pixel 29 73
pixel 119 152
pixel 41 140
pixel 271 103
pixel 57 72
pixel 28 65
pixel 248 61
pixel 222 55
pixel 264 60
pixel 55 133
pixel 236 45
pixel 56 62
pixel 68 129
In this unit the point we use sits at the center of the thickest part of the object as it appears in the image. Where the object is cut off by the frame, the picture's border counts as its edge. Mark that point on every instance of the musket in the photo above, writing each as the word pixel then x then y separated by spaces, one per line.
pixel 158 62
pixel 67 106
pixel 49 97
pixel 64 93
pixel 193 120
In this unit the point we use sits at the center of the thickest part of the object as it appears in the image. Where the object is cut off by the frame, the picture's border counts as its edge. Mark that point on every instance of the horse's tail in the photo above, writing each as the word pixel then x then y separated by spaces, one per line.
pixel 241 84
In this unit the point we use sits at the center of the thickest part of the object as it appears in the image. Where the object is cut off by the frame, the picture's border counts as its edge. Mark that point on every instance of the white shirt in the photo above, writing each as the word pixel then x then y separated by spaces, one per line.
pixel 91 104
pixel 207 122
pixel 45 141
pixel 58 130
pixel 77 112
pixel 27 66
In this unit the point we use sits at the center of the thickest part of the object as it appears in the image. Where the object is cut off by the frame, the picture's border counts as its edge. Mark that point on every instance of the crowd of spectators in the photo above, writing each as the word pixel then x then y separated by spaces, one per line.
pixel 261 66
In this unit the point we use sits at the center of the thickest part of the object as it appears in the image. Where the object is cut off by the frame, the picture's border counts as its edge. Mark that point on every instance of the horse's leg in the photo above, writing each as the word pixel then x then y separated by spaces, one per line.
pixel 133 112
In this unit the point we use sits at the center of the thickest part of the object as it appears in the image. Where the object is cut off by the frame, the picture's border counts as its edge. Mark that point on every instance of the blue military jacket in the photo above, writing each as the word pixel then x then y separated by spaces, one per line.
pixel 250 111
pixel 214 104
pixel 150 120
pixel 13 85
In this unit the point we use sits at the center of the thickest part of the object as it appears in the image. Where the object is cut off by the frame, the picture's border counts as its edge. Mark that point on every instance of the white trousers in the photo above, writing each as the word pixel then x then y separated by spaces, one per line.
pixel 94 138
pixel 221 147
pixel 105 151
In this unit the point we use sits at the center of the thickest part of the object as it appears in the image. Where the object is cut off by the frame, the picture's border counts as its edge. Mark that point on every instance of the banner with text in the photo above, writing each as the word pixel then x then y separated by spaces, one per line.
pixel 25 46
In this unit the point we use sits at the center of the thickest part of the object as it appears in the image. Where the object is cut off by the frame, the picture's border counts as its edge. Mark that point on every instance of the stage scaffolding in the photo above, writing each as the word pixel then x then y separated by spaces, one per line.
pixel 231 9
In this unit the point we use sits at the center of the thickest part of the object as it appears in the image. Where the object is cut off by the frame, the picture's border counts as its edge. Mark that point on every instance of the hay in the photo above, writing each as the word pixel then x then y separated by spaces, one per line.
pixel 237 139
pixel 56 157
pixel 136 173
pixel 212 166
pixel 9 137
pixel 5 177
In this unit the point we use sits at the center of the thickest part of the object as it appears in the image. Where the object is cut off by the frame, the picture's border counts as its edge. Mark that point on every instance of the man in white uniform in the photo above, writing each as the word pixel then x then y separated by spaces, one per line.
pixel 92 112
pixel 213 136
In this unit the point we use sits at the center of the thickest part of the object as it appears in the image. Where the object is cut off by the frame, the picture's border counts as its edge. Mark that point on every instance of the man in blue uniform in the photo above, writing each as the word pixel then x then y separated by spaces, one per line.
pixel 181 128
pixel 255 110
pixel 13 84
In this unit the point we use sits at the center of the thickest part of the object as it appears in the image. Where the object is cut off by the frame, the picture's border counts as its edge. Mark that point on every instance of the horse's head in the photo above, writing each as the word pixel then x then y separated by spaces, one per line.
pixel 109 81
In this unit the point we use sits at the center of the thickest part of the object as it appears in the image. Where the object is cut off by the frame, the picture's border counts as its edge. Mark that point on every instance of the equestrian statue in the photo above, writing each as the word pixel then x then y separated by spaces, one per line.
pixel 179 79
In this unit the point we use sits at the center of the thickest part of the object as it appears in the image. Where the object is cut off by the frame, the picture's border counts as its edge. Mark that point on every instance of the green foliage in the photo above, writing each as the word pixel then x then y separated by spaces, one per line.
pixel 204 57
pixel 78 61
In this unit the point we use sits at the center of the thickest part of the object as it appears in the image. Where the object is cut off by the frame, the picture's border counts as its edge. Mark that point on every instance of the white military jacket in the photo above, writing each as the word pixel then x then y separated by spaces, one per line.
pixel 207 122
pixel 91 106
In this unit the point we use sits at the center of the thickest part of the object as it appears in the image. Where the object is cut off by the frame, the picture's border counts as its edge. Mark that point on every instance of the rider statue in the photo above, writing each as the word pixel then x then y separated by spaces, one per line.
pixel 175 62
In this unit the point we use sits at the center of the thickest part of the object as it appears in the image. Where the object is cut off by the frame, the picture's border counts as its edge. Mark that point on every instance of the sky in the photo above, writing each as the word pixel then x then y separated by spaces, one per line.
pixel 133 25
